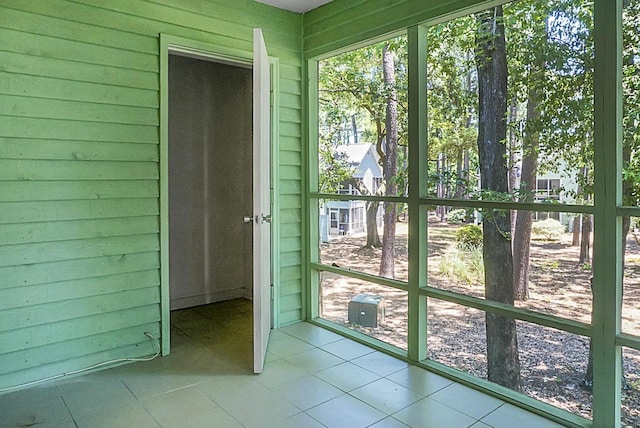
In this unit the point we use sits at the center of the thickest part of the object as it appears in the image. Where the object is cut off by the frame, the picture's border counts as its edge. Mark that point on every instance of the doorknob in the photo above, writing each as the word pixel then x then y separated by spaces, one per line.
pixel 247 219
pixel 266 218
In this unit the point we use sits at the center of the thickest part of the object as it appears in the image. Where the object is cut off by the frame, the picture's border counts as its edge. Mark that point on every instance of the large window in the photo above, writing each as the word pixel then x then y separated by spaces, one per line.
pixel 493 195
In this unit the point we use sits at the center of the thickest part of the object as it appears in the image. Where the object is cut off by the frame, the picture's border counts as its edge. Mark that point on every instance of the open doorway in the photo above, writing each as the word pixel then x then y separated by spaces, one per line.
pixel 210 156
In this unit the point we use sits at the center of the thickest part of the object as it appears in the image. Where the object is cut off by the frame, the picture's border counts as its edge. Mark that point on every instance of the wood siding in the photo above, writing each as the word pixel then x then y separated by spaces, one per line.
pixel 79 190
pixel 344 23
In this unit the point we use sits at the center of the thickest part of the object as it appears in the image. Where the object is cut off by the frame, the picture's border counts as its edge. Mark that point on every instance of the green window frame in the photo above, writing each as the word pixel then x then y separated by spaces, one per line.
pixel 607 211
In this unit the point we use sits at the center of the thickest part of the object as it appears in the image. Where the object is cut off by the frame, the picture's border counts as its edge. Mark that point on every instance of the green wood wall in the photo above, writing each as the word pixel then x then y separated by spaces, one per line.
pixel 343 23
pixel 79 162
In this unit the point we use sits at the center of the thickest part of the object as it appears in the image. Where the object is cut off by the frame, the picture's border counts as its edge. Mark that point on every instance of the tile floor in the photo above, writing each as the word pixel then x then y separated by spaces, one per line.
pixel 312 378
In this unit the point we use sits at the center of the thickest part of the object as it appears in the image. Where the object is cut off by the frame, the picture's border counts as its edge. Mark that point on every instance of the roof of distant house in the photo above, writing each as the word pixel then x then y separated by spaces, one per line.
pixel 355 153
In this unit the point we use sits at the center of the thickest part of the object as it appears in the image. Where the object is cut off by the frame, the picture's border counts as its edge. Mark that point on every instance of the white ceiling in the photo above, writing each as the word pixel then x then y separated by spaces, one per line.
pixel 299 6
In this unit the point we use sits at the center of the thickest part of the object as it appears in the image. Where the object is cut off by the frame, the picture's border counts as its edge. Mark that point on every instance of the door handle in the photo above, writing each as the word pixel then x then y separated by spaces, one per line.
pixel 261 219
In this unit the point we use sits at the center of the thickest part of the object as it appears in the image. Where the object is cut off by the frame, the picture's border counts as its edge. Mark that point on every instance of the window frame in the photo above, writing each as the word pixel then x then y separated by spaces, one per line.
pixel 607 211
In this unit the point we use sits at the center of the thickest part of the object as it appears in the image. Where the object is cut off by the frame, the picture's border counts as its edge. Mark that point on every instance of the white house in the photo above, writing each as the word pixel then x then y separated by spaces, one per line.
pixel 561 186
pixel 349 217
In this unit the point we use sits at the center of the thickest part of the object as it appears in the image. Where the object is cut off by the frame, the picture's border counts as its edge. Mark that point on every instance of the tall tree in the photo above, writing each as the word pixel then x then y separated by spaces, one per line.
pixel 364 83
pixel 491 62
pixel 390 166
pixel 527 50
pixel 527 188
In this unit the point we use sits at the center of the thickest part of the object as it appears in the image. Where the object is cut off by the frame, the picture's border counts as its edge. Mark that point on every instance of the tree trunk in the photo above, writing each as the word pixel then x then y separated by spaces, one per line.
pixel 514 181
pixel 521 255
pixel 528 177
pixel 373 237
pixel 513 144
pixel 577 221
pixel 354 129
pixel 465 171
pixel 502 342
pixel 390 167
pixel 441 210
pixel 585 242
pixel 585 225
pixel 459 174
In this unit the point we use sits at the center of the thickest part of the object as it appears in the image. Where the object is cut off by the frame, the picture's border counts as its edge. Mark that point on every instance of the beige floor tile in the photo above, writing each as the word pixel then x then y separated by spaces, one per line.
pixel 466 400
pixel 287 346
pixel 220 388
pixel 307 392
pixel 347 376
pixel 257 406
pixel 481 425
pixel 347 349
pixel 420 380
pixel 278 372
pixel 430 413
pixel 345 412
pixel 301 420
pixel 133 415
pixel 389 422
pixel 161 382
pixel 93 393
pixel 312 334
pixel 507 416
pixel 314 360
pixel 380 363
pixel 28 396
pixel 386 396
pixel 184 407
pixel 48 412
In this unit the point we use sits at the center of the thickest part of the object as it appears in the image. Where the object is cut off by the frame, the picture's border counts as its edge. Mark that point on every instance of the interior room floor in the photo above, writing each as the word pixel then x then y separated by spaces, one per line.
pixel 312 378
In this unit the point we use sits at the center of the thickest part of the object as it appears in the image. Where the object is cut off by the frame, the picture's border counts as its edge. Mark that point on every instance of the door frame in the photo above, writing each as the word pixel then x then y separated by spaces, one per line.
pixel 230 56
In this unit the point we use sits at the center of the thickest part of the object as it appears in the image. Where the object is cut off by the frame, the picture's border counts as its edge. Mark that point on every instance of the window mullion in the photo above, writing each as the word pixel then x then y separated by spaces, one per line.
pixel 607 225
pixel 417 98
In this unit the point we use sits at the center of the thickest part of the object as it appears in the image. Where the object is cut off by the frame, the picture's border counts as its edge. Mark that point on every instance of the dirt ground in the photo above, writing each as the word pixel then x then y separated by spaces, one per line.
pixel 553 363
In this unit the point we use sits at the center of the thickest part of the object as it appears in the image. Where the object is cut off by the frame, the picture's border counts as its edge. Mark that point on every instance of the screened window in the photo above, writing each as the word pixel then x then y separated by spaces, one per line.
pixel 484 170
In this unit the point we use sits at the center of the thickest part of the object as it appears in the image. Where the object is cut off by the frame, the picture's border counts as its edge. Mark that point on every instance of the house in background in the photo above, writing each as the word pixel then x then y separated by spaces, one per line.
pixel 349 217
pixel 557 186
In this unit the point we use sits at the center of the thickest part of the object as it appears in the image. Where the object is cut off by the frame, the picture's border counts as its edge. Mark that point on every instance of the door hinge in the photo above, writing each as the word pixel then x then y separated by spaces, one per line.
pixel 272 288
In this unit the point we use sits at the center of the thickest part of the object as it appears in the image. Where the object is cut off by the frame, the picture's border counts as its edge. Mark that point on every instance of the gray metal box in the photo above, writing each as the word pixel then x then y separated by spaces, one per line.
pixel 366 310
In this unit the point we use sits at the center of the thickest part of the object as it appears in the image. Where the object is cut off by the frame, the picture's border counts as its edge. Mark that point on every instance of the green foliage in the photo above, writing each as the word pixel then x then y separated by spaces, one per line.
pixel 549 53
pixel 631 104
pixel 352 107
pixel 456 216
pixel 549 229
pixel 549 265
pixel 469 237
pixel 452 108
pixel 335 169
pixel 464 266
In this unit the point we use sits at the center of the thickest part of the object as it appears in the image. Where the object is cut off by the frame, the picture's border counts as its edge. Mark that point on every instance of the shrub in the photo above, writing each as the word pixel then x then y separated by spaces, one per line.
pixel 549 229
pixel 465 267
pixel 456 216
pixel 469 237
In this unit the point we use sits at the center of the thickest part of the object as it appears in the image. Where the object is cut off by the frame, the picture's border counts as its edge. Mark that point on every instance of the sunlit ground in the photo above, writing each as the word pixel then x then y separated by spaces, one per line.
pixel 553 363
